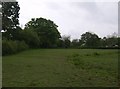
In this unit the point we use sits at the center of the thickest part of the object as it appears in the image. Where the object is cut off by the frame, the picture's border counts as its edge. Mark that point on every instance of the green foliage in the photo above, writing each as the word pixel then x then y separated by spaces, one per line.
pixel 30 37
pixel 10 15
pixel 11 47
pixel 46 30
pixel 60 43
pixel 21 45
pixel 110 42
pixel 8 47
pixel 65 41
pixel 75 43
pixel 90 40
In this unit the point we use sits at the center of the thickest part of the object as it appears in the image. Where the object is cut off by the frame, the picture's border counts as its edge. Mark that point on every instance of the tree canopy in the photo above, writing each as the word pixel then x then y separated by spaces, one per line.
pixel 10 15
pixel 90 40
pixel 46 30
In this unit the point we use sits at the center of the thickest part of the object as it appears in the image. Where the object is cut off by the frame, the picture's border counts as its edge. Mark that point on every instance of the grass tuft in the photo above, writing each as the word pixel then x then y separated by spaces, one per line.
pixel 96 54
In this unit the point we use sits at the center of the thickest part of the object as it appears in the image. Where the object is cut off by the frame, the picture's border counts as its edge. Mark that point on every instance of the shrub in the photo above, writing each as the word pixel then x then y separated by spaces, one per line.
pixel 22 46
pixel 11 47
pixel 30 37
pixel 8 47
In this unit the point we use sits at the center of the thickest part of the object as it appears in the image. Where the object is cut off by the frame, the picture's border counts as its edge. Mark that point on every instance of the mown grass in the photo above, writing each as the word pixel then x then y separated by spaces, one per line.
pixel 61 68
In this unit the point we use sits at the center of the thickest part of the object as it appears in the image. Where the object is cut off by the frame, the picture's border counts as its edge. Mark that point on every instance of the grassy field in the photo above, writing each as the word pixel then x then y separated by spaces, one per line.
pixel 61 68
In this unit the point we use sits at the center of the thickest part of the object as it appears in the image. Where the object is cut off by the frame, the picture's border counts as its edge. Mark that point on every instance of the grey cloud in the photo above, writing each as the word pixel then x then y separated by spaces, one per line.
pixel 89 6
pixel 96 13
pixel 54 6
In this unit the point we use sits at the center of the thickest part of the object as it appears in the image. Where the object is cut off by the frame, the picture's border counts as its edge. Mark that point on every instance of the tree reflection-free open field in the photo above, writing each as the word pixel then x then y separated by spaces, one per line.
pixel 61 68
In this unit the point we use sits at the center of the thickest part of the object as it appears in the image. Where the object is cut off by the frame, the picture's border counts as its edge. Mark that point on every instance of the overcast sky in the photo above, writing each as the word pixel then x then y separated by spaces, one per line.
pixel 74 17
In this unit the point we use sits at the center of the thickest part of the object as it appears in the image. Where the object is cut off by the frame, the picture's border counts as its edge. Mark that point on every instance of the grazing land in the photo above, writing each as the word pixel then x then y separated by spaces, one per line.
pixel 61 68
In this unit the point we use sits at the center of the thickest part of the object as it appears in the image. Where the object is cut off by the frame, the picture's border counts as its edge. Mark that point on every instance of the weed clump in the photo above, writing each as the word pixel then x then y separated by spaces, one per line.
pixel 87 55
pixel 75 55
pixel 76 60
pixel 96 54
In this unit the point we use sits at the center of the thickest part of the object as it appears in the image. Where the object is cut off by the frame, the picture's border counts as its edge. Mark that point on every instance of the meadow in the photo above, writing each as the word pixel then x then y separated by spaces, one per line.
pixel 61 68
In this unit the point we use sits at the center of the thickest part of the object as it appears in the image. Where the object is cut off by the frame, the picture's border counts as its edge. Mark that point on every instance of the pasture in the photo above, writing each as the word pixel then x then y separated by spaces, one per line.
pixel 61 68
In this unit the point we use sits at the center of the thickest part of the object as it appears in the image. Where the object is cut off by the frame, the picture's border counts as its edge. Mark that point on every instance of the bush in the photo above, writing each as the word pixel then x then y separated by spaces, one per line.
pixel 30 37
pixel 8 47
pixel 22 46
pixel 11 47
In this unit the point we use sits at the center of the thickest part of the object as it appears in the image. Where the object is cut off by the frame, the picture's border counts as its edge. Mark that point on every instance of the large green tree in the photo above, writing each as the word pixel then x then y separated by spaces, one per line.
pixel 46 30
pixel 90 40
pixel 10 15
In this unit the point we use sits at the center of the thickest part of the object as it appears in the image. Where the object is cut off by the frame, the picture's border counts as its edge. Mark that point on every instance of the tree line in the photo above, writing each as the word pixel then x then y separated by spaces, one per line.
pixel 42 33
